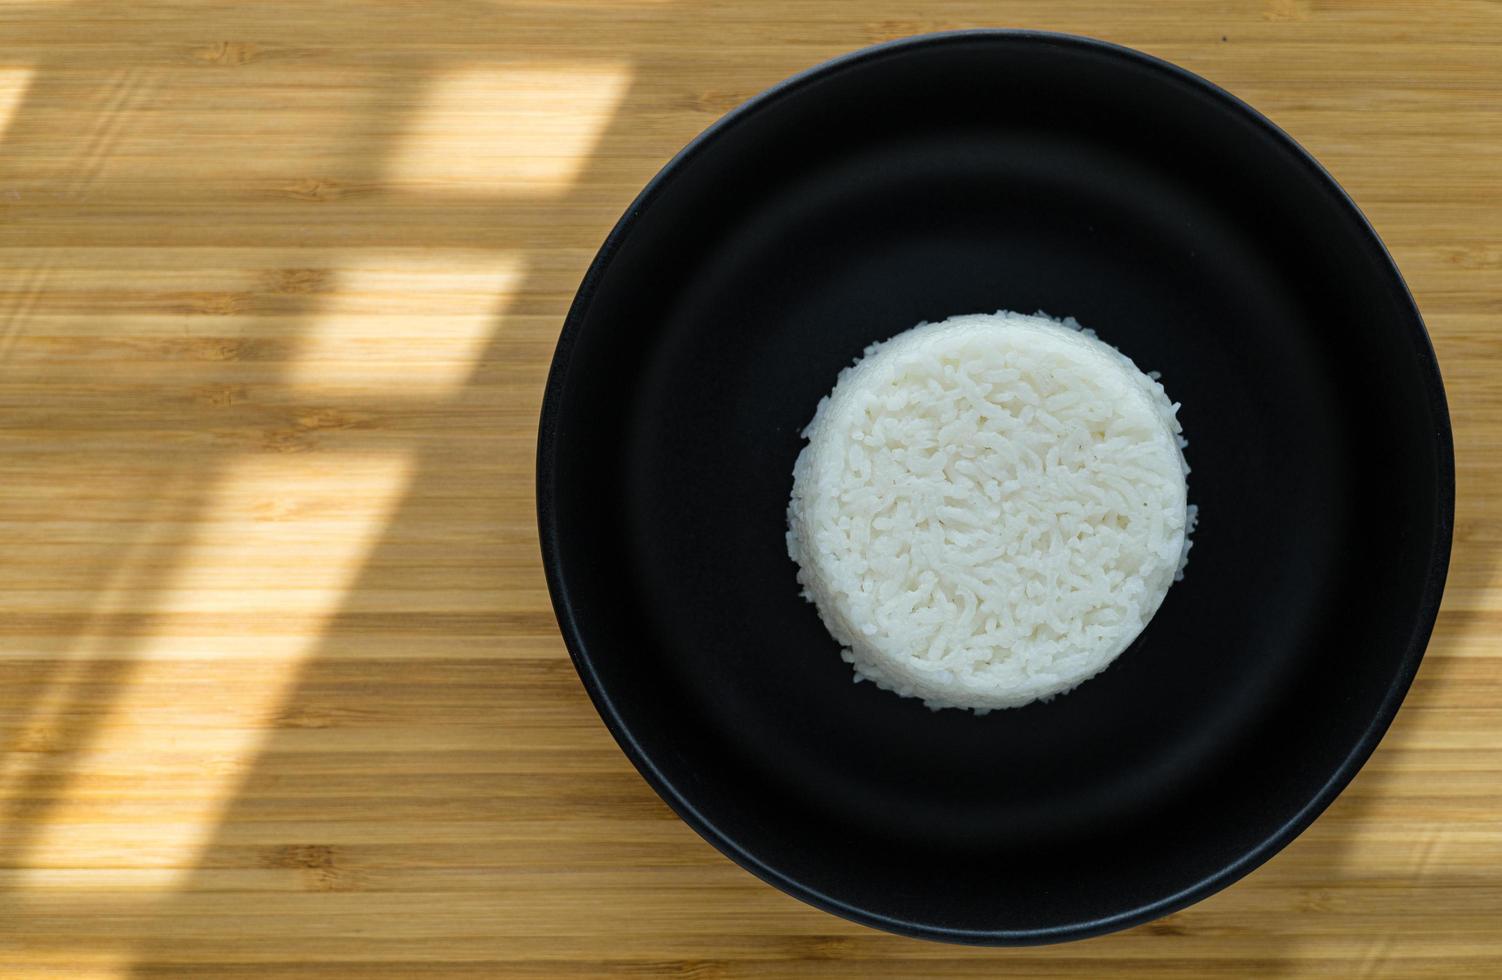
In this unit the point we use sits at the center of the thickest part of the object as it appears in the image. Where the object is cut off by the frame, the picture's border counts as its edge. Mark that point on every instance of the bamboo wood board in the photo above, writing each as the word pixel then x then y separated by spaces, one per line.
pixel 281 693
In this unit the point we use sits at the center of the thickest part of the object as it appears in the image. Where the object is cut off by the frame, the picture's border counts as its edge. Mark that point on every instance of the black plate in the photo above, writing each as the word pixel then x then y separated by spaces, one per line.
pixel 966 173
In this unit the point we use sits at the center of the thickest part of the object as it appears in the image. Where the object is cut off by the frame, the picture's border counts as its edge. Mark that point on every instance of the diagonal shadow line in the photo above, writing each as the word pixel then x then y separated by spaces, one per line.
pixel 17 303
pixel 32 743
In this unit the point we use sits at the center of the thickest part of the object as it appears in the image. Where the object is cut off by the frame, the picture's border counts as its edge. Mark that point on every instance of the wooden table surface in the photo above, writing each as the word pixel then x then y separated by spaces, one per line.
pixel 280 690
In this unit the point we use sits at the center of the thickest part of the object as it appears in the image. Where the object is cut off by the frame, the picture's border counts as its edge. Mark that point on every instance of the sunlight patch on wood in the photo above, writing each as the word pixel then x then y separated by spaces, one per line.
pixel 13 85
pixel 514 131
pixel 405 323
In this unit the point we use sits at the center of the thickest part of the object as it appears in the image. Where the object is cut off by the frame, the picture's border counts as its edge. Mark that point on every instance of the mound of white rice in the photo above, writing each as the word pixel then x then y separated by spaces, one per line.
pixel 989 509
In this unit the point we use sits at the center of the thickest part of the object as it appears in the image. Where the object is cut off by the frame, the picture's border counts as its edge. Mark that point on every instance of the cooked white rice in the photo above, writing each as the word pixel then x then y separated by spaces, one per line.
pixel 989 509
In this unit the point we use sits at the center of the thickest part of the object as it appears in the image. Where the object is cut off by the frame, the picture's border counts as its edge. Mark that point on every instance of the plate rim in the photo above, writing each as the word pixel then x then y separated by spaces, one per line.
pixel 548 530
